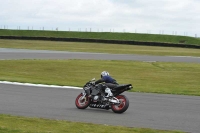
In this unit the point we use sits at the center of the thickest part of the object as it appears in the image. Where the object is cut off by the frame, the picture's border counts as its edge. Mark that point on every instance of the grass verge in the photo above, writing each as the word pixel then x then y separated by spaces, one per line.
pixel 99 47
pixel 16 124
pixel 157 77
pixel 103 35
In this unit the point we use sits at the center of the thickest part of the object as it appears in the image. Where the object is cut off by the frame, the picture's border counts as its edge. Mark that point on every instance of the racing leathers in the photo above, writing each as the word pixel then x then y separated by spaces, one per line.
pixel 109 82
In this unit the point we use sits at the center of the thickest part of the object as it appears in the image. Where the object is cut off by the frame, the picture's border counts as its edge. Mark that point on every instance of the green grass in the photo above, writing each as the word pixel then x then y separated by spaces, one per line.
pixel 99 47
pixel 102 35
pixel 158 77
pixel 15 124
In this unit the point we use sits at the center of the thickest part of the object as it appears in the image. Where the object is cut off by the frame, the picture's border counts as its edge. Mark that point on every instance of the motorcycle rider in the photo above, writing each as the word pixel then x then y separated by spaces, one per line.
pixel 110 82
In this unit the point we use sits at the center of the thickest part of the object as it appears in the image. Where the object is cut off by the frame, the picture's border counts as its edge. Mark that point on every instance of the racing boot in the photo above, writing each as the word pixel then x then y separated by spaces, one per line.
pixel 109 93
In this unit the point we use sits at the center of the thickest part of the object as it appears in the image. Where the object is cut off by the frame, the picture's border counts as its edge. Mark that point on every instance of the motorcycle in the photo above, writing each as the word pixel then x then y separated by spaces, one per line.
pixel 94 97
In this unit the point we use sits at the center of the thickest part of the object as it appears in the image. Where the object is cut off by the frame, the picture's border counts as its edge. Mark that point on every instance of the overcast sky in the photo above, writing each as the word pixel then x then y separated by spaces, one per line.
pixel 181 17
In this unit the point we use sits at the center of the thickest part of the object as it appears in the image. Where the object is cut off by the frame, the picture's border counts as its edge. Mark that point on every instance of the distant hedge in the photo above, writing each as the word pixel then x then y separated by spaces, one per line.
pixel 143 43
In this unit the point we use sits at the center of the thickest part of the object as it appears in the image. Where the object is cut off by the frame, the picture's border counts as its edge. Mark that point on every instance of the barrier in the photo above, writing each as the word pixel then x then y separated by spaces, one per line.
pixel 162 44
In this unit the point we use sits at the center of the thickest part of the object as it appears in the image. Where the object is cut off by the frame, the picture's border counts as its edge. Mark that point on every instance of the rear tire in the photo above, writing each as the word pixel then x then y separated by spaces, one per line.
pixel 82 104
pixel 123 106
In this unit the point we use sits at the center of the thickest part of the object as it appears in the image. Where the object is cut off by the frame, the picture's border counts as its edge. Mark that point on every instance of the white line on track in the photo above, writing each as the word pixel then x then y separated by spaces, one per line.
pixel 185 56
pixel 39 85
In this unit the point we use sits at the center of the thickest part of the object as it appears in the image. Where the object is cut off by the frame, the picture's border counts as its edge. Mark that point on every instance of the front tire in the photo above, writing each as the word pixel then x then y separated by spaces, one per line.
pixel 123 106
pixel 82 104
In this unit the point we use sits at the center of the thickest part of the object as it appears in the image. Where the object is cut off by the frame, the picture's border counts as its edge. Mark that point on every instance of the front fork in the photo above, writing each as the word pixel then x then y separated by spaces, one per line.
pixel 83 95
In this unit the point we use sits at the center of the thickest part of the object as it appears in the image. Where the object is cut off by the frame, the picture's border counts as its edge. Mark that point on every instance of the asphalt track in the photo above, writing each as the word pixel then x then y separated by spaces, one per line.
pixel 167 112
pixel 45 54
pixel 158 111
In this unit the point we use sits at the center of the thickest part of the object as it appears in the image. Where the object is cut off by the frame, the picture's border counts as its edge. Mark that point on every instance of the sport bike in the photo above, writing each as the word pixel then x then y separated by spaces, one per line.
pixel 94 96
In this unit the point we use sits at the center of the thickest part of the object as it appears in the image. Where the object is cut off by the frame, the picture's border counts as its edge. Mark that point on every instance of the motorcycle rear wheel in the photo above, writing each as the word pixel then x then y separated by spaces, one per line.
pixel 82 104
pixel 123 106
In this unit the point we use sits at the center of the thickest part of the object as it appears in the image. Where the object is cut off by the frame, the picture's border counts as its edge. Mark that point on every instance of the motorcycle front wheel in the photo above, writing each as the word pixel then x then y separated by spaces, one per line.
pixel 82 103
pixel 123 106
